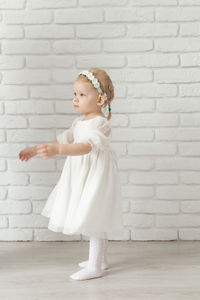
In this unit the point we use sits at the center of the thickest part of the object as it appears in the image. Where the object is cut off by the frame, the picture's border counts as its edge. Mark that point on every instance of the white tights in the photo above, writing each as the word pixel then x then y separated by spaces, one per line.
pixel 96 254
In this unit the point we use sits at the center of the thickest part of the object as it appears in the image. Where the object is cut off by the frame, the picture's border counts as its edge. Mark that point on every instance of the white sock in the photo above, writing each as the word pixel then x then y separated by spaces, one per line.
pixel 104 262
pixel 93 268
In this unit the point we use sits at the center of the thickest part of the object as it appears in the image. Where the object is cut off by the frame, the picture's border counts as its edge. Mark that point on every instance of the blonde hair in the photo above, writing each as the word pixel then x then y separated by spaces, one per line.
pixel 106 85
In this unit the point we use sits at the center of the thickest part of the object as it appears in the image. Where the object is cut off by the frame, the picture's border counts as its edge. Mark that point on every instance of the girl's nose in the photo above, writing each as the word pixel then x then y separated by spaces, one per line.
pixel 75 100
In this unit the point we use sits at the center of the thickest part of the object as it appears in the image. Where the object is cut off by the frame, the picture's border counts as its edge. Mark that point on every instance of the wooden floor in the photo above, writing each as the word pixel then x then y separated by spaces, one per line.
pixel 138 270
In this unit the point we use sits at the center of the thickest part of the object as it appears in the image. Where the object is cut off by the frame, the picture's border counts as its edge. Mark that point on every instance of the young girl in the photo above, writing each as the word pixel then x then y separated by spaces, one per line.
pixel 87 198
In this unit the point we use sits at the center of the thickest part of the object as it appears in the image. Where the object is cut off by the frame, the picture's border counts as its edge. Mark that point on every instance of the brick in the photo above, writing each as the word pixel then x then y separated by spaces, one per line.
pixel 33 165
pixel 152 149
pixel 133 105
pixel 189 2
pixel 190 59
pixel 76 46
pixel 154 234
pixel 189 120
pixel 78 15
pixel 152 60
pixel 189 29
pixel 11 62
pixel 35 62
pixel 178 14
pixel 153 177
pixel 28 107
pixel 49 32
pixel 26 47
pixel 177 163
pixel 13 92
pixel 152 30
pixel 64 76
pixel 127 45
pixel 189 149
pixel 28 135
pixel 15 207
pixel 189 234
pixel 177 44
pixel 86 3
pixel 190 207
pixel 178 134
pixel 190 177
pixel 128 134
pixel 190 89
pixel 43 4
pixel 152 90
pixel 154 207
pixel 28 17
pixel 100 30
pixel 176 76
pixel 11 178
pixel 177 221
pixel 27 221
pixel 137 191
pixel 51 92
pixel 129 15
pixel 108 60
pixel 29 192
pixel 178 105
pixel 13 122
pixel 3 222
pixel 153 2
pixel 154 120
pixel 132 75
pixel 119 120
pixel 135 164
pixel 138 220
pixel 27 77
pixel 12 4
pixel 9 32
pixel 180 192
pixel 16 234
pixel 44 178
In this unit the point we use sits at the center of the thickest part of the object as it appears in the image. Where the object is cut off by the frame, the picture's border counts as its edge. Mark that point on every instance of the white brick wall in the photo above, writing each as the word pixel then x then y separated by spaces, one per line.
pixel 150 48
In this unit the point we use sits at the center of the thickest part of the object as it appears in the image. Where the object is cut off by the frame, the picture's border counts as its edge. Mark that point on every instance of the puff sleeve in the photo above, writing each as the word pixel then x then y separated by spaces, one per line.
pixel 67 137
pixel 98 134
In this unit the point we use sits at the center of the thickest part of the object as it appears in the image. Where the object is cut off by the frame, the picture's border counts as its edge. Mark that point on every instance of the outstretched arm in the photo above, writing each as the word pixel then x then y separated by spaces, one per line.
pixel 74 149
pixel 51 149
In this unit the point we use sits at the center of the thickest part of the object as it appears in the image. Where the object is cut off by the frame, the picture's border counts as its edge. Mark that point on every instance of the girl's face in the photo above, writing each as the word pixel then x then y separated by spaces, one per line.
pixel 86 98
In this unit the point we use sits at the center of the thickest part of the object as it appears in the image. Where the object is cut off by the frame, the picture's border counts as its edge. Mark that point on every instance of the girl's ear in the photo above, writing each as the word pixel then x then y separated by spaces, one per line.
pixel 100 100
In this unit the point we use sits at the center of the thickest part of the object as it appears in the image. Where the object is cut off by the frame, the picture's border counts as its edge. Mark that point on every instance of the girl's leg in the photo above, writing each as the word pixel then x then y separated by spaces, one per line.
pixel 93 268
pixel 104 262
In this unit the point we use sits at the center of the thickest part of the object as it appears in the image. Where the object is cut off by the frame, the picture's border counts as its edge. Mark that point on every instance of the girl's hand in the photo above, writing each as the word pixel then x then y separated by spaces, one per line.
pixel 47 150
pixel 27 153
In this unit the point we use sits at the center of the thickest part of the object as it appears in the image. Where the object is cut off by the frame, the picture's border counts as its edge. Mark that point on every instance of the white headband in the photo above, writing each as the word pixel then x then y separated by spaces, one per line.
pixel 94 81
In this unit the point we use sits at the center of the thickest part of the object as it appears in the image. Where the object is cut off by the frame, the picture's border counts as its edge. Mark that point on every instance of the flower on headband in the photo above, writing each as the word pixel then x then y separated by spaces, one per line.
pixel 90 76
pixel 96 84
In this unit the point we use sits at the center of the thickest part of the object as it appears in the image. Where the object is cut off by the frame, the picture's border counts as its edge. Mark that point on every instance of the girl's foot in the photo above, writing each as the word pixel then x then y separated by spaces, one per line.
pixel 84 264
pixel 86 273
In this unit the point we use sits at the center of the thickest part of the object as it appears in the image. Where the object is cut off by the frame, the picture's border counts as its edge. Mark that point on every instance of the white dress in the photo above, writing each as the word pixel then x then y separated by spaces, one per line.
pixel 87 197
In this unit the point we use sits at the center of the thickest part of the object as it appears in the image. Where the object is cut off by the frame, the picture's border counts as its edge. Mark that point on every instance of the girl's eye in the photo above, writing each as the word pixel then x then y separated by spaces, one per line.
pixel 80 94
